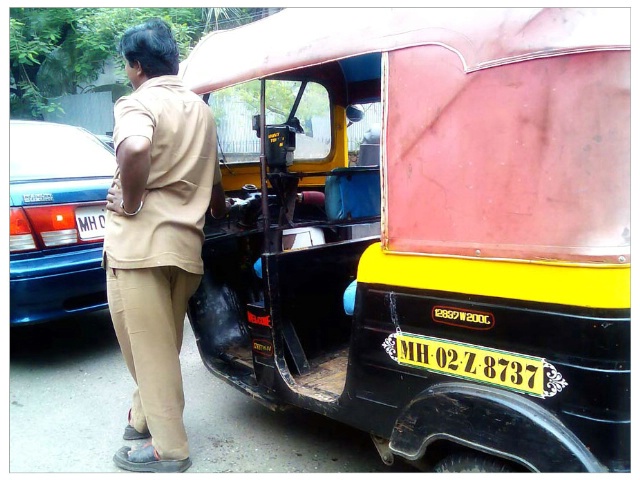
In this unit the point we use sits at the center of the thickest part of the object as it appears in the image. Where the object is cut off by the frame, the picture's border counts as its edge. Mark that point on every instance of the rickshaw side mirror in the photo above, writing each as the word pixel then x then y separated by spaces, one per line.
pixel 355 113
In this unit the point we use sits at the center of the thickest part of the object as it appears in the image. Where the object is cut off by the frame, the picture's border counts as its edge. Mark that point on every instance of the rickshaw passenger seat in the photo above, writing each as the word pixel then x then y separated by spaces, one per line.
pixel 352 193
pixel 348 298
pixel 292 239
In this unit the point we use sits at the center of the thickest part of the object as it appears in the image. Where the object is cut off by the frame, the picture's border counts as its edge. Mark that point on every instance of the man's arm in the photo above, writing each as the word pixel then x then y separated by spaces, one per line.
pixel 134 159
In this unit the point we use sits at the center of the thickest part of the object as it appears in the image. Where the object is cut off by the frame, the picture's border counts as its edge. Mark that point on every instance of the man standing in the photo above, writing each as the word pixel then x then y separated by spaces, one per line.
pixel 167 177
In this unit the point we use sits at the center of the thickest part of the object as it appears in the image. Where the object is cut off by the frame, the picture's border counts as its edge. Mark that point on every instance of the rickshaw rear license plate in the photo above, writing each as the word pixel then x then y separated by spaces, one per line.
pixel 513 371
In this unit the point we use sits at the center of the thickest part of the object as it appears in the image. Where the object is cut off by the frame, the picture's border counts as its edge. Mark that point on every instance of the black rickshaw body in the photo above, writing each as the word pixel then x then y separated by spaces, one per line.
pixel 454 277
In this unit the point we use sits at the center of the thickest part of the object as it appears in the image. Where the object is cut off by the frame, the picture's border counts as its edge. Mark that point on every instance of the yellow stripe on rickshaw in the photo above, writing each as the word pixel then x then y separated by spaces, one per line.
pixel 583 285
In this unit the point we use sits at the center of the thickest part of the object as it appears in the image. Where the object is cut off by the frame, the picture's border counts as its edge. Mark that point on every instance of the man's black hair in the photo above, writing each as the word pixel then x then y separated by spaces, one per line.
pixel 153 45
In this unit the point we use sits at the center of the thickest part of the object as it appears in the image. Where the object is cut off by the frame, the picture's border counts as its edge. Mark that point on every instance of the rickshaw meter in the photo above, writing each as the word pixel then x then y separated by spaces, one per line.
pixel 280 144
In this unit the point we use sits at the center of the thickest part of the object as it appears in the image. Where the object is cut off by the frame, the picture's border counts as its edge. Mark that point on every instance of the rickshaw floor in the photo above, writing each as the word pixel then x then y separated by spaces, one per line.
pixel 328 372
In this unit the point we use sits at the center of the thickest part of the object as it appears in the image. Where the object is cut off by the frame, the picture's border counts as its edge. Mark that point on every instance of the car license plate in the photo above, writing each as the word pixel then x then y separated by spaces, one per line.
pixel 91 222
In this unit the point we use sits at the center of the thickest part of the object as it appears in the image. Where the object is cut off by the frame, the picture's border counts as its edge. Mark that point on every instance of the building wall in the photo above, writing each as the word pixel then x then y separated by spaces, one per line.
pixel 92 111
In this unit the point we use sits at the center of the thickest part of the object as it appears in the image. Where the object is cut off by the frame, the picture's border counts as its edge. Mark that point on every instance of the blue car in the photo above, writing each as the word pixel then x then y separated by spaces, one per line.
pixel 59 176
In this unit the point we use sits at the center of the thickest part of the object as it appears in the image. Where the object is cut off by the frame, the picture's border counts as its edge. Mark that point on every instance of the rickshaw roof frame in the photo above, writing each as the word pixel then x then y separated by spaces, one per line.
pixel 295 38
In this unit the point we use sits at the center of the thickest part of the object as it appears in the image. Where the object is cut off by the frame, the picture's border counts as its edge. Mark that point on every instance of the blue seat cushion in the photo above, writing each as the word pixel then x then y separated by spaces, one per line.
pixel 257 267
pixel 352 193
pixel 349 298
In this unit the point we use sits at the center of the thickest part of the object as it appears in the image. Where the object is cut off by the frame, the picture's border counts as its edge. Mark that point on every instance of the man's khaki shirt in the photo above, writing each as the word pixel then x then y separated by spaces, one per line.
pixel 184 168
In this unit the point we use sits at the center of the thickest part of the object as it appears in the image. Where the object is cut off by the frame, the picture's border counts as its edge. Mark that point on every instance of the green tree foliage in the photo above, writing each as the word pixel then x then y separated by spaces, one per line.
pixel 280 96
pixel 58 51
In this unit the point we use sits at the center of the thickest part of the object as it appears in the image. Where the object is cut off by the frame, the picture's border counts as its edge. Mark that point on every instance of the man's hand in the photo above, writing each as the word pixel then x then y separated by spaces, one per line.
pixel 114 198
pixel 219 205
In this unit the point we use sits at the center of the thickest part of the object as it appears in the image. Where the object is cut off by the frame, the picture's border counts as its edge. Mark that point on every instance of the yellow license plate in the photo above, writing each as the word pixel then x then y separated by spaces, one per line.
pixel 509 370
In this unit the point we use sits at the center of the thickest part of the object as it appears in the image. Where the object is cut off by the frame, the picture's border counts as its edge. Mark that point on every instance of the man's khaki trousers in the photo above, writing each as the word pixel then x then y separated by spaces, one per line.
pixel 148 308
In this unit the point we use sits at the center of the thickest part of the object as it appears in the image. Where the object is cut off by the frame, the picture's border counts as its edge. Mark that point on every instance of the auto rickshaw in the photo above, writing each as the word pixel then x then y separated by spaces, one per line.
pixel 463 295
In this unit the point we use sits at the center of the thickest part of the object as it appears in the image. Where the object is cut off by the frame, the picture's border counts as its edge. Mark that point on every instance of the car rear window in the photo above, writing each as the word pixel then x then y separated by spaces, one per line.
pixel 50 151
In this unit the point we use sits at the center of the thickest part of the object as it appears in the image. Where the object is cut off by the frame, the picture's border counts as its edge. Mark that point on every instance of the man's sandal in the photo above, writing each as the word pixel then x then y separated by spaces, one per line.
pixel 131 433
pixel 145 459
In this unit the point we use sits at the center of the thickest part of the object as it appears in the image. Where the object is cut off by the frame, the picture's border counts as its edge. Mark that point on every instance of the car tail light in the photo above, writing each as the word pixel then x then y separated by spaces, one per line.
pixel 53 226
pixel 56 224
pixel 20 236
pixel 45 226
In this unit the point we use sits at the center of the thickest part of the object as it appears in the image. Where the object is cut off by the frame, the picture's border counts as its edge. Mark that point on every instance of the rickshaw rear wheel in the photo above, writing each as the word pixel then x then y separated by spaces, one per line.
pixel 471 462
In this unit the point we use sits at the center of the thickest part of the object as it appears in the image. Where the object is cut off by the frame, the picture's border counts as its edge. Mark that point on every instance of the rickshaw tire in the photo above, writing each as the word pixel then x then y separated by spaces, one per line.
pixel 471 463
